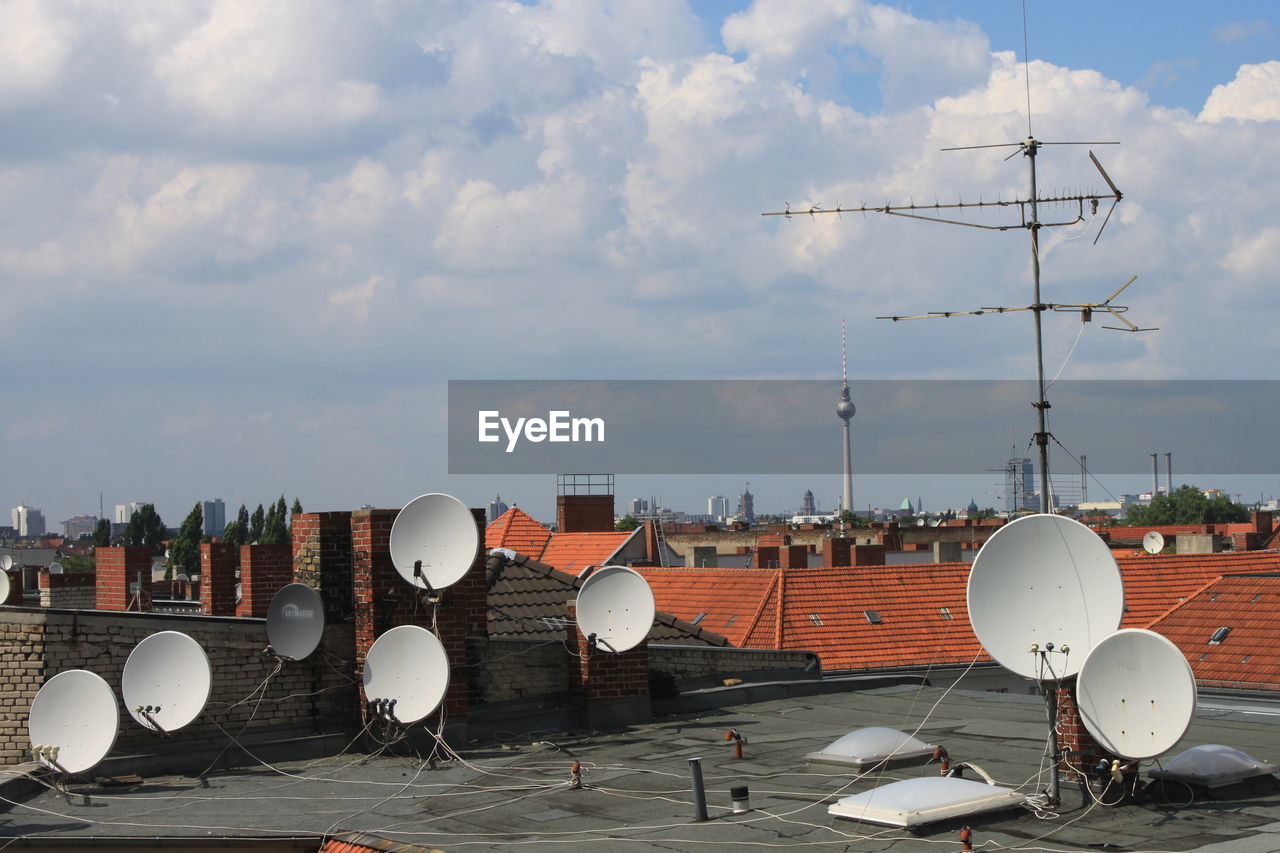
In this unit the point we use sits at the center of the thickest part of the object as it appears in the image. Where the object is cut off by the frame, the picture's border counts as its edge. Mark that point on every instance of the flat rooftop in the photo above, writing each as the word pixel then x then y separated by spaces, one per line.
pixel 513 792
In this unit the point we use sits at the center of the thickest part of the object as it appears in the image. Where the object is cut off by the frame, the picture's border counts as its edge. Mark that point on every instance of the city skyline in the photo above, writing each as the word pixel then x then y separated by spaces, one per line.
pixel 341 207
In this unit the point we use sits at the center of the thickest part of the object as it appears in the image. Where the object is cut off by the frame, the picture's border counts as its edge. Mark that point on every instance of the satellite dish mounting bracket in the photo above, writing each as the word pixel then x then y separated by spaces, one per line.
pixel 432 595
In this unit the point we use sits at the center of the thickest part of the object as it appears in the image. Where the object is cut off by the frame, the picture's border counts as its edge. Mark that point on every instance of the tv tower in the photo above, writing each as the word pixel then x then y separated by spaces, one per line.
pixel 845 410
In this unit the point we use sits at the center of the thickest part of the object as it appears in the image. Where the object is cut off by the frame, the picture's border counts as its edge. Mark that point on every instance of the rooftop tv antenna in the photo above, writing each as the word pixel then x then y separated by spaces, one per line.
pixel 1028 209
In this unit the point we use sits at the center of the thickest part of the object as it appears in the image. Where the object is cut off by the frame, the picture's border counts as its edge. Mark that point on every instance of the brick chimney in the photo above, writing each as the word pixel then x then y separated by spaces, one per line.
pixel 218 578
pixel 613 687
pixel 117 569
pixel 322 559
pixel 264 570
pixel 584 513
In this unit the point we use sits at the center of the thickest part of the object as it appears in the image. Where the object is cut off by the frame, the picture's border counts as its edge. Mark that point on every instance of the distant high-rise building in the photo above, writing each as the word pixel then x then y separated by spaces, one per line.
pixel 808 506
pixel 747 505
pixel 638 507
pixel 124 512
pixel 1020 490
pixel 718 508
pixel 28 521
pixel 79 525
pixel 495 509
pixel 214 519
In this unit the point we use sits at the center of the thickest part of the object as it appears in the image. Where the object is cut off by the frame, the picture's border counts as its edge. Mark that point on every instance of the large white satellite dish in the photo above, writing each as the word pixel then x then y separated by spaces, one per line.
pixel 434 541
pixel 5 588
pixel 73 721
pixel 406 674
pixel 166 681
pixel 55 568
pixel 6 563
pixel 1043 591
pixel 1153 542
pixel 615 605
pixel 295 621
pixel 1136 694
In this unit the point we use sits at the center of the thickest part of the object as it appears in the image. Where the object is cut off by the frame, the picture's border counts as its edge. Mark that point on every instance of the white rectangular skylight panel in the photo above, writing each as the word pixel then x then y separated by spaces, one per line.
pixel 914 802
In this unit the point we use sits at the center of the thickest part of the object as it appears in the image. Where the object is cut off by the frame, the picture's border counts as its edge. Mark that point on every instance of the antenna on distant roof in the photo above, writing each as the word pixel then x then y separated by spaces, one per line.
pixel 1029 219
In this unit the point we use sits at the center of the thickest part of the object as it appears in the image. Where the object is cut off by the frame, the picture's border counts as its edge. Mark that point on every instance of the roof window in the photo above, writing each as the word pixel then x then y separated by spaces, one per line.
pixel 946 612
pixel 695 620
pixel 815 618
pixel 873 616
pixel 1219 635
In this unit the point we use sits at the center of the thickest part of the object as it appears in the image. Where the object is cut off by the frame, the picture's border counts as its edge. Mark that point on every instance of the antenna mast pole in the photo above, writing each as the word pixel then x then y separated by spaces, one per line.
pixel 1037 309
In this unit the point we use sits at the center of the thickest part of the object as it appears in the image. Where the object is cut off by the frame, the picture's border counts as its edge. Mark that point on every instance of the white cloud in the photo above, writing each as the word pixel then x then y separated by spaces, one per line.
pixel 35 43
pixel 1253 96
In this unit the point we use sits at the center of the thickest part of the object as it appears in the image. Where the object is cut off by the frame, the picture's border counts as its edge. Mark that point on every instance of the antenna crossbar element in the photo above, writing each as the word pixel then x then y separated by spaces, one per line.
pixel 1084 309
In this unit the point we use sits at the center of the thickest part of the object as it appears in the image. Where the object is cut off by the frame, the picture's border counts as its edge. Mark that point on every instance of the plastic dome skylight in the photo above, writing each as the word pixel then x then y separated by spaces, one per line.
pixel 913 802
pixel 872 745
pixel 1213 765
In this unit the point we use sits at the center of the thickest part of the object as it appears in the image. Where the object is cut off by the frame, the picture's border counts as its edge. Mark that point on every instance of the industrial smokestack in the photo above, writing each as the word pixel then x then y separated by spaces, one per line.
pixel 1084 480
pixel 1155 474
pixel 1168 473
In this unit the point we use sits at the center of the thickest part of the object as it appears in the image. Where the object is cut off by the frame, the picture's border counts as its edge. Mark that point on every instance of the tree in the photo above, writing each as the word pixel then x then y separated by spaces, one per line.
pixel 256 523
pixel 627 522
pixel 242 519
pixel 233 534
pixel 184 549
pixel 296 509
pixel 78 563
pixel 102 534
pixel 146 528
pixel 1187 505
pixel 274 530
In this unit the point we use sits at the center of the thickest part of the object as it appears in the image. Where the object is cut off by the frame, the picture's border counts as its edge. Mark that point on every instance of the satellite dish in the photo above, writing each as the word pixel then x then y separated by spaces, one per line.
pixel 5 588
pixel 6 562
pixel 182 576
pixel 1153 542
pixel 73 721
pixel 406 674
pixel 1043 591
pixel 295 621
pixel 1136 694
pixel 166 681
pixel 55 568
pixel 238 593
pixel 438 532
pixel 616 605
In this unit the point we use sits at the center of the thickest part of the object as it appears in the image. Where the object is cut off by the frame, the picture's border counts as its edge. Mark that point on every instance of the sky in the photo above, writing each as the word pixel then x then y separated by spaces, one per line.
pixel 244 245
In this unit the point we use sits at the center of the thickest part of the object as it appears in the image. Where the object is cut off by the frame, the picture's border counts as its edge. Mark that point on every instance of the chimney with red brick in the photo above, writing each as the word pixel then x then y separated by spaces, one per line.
pixel 218 578
pixel 118 569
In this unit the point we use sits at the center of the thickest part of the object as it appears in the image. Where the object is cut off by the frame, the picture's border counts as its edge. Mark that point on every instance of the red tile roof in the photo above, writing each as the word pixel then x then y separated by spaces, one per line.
pixel 517 530
pixel 727 599
pixel 829 610
pixel 573 552
pixel 1248 657
pixel 1152 585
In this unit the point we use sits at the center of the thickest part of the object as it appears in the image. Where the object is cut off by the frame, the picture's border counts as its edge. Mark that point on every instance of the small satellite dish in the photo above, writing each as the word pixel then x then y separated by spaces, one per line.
pixel 434 541
pixel 1153 542
pixel 406 674
pixel 238 593
pixel 166 681
pixel 6 562
pixel 1136 694
pixel 1043 591
pixel 295 621
pixel 182 576
pixel 73 721
pixel 55 568
pixel 5 588
pixel 616 605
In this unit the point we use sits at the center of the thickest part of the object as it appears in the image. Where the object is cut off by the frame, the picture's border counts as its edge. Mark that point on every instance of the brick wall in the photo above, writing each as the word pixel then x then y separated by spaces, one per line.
pixel 117 569
pixel 522 669
pixel 306 697
pixel 75 591
pixel 600 674
pixel 1081 751
pixel 692 662
pixel 218 578
pixel 584 513
pixel 322 559
pixel 264 569
pixel 383 600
